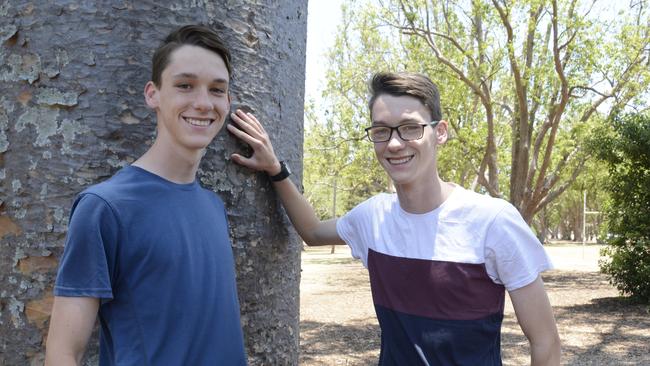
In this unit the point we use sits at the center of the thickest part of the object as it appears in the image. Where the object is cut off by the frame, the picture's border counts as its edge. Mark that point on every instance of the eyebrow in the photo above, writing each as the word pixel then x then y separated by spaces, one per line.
pixel 401 122
pixel 188 75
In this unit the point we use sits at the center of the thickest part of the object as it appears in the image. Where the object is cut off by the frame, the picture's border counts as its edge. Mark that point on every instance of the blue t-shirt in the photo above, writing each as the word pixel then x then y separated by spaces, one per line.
pixel 158 255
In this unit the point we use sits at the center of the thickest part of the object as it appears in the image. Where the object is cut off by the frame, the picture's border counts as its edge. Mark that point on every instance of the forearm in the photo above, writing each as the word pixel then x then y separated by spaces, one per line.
pixel 535 316
pixel 56 358
pixel 71 325
pixel 60 351
pixel 300 212
pixel 302 215
pixel 545 354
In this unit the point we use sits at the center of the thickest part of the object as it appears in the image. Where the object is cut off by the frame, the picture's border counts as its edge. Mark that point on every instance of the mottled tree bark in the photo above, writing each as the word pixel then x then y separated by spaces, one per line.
pixel 72 113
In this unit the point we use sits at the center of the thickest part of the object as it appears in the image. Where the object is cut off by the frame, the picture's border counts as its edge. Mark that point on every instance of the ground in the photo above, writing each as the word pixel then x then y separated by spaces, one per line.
pixel 597 327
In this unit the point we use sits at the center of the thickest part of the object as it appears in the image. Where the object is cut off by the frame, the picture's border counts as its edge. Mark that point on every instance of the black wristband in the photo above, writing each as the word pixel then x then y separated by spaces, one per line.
pixel 284 173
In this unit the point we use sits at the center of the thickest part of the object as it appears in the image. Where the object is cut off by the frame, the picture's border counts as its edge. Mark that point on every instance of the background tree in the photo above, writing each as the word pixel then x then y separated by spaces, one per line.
pixel 625 147
pixel 520 82
pixel 72 113
pixel 562 219
pixel 340 166
pixel 534 60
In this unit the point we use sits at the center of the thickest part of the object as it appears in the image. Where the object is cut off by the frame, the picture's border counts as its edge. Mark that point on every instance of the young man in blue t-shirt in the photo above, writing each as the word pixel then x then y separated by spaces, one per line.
pixel 440 257
pixel 148 251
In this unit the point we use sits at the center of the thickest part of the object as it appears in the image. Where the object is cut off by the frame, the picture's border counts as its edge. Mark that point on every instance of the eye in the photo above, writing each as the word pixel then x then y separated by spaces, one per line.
pixel 380 132
pixel 217 91
pixel 184 86
pixel 410 128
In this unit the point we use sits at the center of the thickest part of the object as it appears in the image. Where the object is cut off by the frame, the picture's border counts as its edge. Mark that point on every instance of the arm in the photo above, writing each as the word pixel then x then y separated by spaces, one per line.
pixel 301 213
pixel 535 317
pixel 71 325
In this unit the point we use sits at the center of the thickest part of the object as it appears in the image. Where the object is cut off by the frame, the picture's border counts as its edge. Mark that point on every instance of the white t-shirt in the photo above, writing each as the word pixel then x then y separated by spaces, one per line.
pixel 467 228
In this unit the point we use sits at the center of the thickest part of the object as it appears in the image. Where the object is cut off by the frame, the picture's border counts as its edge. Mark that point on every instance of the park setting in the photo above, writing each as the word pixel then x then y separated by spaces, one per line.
pixel 545 106
pixel 597 326
pixel 582 184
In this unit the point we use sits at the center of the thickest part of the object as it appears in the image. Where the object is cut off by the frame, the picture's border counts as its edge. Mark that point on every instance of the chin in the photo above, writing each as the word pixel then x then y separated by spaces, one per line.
pixel 197 145
pixel 398 179
pixel 396 176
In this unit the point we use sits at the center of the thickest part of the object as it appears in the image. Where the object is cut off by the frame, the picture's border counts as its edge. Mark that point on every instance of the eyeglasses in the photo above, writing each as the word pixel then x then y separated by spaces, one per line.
pixel 407 132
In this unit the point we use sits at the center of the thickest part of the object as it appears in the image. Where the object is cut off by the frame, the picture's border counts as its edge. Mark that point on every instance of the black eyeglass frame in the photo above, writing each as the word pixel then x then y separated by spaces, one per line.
pixel 433 124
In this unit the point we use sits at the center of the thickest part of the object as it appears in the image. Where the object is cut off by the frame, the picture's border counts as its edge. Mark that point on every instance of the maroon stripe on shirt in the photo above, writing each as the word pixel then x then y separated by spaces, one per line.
pixel 433 289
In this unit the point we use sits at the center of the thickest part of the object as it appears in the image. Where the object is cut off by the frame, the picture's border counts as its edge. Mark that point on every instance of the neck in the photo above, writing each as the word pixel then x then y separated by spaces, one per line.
pixel 176 165
pixel 422 198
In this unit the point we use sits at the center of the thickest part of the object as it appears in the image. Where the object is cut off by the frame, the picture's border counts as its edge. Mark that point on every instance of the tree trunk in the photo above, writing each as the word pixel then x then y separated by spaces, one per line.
pixel 577 226
pixel 72 113
pixel 541 225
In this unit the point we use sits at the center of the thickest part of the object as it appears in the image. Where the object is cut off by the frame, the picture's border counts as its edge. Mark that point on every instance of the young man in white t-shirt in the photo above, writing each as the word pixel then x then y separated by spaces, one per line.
pixel 440 257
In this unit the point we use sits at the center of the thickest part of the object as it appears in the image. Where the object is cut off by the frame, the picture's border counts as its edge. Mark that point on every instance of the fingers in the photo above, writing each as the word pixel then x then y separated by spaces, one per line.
pixel 251 163
pixel 240 134
pixel 259 144
pixel 250 130
pixel 248 122
pixel 240 159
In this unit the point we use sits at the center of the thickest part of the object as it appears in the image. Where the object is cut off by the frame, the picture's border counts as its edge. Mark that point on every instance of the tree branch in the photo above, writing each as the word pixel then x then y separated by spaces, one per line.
pixel 557 192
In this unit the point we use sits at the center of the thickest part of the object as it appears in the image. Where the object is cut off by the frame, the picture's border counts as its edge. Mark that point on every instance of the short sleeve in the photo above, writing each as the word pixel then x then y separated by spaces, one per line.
pixel 92 236
pixel 514 256
pixel 349 229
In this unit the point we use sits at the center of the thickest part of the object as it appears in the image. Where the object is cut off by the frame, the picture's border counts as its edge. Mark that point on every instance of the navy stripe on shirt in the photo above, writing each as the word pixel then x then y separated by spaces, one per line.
pixel 436 312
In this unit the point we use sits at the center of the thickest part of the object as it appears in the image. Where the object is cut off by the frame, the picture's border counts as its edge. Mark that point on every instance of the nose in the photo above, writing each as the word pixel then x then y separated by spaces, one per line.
pixel 202 100
pixel 395 142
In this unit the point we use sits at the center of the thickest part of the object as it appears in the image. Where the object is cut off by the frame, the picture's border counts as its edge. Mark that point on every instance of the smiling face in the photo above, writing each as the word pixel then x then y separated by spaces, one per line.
pixel 408 163
pixel 192 100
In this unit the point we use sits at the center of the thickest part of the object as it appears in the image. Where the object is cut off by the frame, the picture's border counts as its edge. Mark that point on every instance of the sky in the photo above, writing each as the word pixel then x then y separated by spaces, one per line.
pixel 323 16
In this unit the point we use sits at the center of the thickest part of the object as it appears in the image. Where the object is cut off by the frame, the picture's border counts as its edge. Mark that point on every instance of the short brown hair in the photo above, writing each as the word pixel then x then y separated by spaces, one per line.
pixel 406 83
pixel 195 35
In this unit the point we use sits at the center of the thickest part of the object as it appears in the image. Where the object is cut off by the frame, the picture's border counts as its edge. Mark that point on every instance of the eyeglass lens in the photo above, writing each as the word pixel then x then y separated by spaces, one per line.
pixel 406 132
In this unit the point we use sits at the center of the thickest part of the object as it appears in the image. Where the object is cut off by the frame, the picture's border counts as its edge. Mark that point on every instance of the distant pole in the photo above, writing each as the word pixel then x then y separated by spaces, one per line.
pixel 584 221
pixel 584 217
pixel 334 208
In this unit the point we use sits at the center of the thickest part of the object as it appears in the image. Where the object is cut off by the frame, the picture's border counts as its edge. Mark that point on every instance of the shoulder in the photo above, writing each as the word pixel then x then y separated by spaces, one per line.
pixel 121 194
pixel 377 203
pixel 381 200
pixel 210 193
pixel 481 200
pixel 212 196
pixel 92 213
pixel 370 208
pixel 477 206
pixel 111 188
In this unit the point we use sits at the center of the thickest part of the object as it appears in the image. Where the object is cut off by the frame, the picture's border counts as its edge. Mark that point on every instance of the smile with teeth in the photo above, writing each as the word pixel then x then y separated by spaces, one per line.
pixel 198 122
pixel 398 161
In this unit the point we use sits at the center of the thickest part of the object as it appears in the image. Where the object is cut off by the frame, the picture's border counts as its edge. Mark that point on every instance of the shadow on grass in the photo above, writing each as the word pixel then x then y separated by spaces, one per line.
pixel 571 244
pixel 562 280
pixel 332 261
pixel 600 331
pixel 607 331
pixel 620 330
pixel 624 343
pixel 595 331
pixel 339 285
pixel 353 343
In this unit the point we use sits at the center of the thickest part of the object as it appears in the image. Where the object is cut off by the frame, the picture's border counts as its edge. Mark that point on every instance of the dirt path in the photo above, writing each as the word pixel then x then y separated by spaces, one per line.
pixel 338 324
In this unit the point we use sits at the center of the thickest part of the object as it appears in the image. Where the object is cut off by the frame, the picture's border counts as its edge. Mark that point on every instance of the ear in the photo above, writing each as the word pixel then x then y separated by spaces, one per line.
pixel 442 132
pixel 151 95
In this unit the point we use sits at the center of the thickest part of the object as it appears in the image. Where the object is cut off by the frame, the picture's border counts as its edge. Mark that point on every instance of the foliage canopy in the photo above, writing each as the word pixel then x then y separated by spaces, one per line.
pixel 522 84
pixel 625 147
